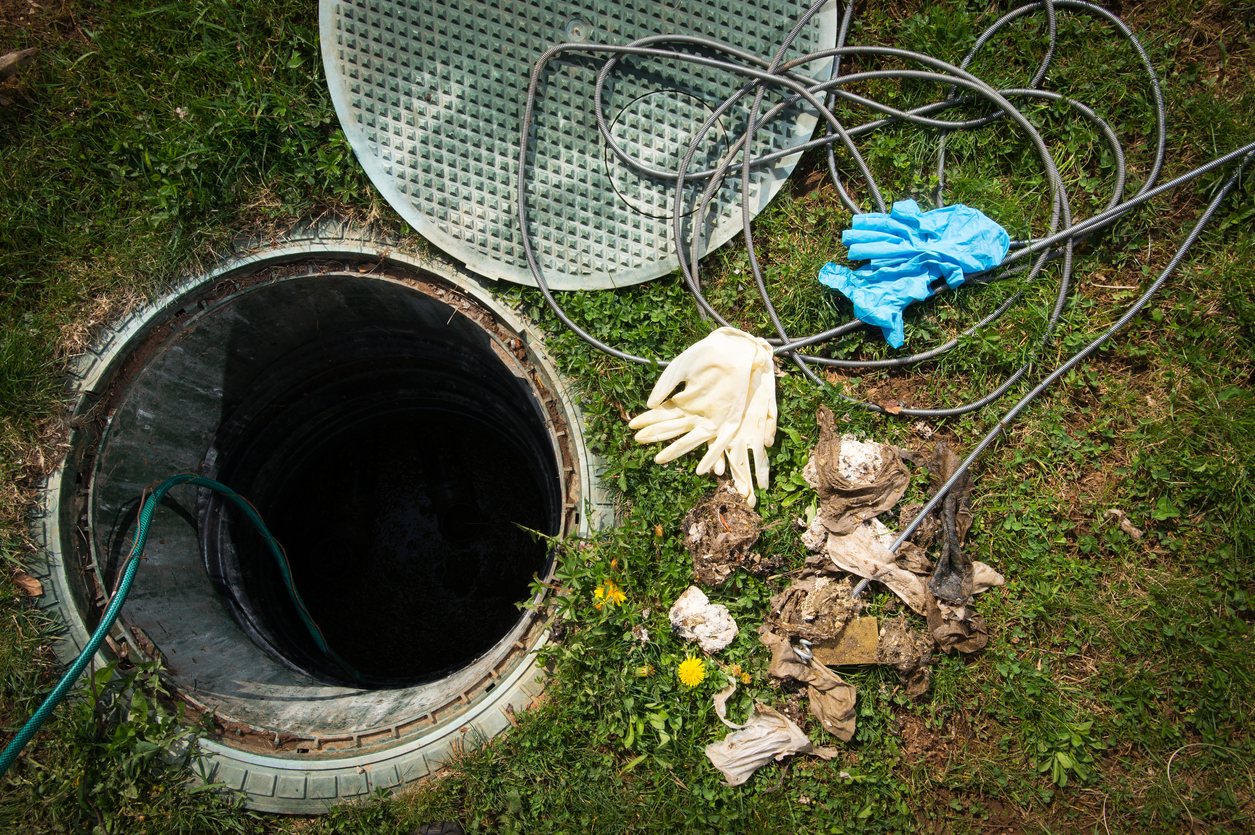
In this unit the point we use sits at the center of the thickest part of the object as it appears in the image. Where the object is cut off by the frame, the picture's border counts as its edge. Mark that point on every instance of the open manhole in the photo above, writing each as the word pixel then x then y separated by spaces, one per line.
pixel 402 468
pixel 410 445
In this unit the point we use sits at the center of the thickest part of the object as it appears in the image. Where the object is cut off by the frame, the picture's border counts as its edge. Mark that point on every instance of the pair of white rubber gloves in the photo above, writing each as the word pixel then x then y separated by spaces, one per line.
pixel 728 402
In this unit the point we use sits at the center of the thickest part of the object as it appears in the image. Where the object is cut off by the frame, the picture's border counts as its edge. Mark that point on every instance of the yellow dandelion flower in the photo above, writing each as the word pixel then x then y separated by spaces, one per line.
pixel 614 562
pixel 645 671
pixel 692 671
pixel 608 592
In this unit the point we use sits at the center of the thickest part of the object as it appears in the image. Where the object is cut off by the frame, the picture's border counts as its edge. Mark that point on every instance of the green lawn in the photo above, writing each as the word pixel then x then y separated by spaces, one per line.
pixel 1118 685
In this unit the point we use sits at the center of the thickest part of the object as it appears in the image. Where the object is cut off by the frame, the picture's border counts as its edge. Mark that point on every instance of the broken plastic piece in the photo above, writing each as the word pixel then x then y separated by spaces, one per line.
pixel 856 644
pixel 728 402
pixel 912 254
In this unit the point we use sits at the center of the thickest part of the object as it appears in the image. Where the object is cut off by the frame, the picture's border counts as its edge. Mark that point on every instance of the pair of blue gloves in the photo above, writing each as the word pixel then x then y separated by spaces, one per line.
pixel 910 253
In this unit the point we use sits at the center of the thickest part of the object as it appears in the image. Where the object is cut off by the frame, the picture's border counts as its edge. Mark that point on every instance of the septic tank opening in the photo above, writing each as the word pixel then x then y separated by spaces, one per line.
pixel 396 438
pixel 403 471
pixel 396 424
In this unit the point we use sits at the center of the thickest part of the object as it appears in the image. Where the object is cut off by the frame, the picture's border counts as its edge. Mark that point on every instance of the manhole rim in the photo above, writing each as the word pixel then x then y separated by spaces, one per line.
pixel 313 781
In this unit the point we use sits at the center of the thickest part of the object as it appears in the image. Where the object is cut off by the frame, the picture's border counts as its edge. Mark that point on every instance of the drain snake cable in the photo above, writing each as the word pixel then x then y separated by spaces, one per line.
pixel 148 505
pixel 820 96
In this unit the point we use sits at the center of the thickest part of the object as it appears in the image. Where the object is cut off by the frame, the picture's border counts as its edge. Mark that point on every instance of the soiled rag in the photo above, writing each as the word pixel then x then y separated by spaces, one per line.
pixel 910 253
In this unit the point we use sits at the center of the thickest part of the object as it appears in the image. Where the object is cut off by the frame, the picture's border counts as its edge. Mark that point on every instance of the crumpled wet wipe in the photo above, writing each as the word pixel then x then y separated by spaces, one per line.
pixel 952 579
pixel 855 481
pixel 845 502
pixel 816 606
pixel 957 627
pixel 865 553
pixel 695 618
pixel 831 698
pixel 908 652
pixel 766 735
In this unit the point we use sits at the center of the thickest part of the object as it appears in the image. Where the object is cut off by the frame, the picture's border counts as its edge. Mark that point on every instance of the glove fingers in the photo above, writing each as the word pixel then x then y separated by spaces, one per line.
pixel 762 467
pixel 688 443
pixel 717 448
pixel 667 429
pixel 728 402
pixel 739 464
pixel 656 416
pixel 769 392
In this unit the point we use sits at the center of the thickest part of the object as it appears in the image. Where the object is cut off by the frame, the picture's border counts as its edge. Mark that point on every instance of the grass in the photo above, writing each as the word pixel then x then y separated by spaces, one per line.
pixel 1116 691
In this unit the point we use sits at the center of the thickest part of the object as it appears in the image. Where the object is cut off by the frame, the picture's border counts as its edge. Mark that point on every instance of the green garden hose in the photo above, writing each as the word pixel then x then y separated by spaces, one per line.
pixel 148 507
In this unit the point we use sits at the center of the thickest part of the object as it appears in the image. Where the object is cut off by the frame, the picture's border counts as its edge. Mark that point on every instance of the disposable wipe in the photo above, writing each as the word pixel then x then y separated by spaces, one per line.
pixel 910 251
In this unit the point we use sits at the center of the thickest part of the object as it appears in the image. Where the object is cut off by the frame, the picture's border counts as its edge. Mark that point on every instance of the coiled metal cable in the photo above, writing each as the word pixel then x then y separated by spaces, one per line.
pixel 962 89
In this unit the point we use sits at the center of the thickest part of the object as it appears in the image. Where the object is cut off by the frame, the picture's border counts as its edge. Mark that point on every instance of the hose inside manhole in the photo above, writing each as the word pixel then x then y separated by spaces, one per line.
pixel 149 502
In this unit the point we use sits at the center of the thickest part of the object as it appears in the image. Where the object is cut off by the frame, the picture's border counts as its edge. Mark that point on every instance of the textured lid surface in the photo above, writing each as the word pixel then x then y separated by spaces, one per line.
pixel 431 97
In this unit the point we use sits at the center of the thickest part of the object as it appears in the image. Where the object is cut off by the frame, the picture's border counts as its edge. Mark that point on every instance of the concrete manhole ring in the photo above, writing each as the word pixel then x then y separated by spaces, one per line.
pixel 396 425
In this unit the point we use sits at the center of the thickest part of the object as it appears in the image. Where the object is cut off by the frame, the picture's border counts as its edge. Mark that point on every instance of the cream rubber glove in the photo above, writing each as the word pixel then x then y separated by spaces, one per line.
pixel 756 433
pixel 728 402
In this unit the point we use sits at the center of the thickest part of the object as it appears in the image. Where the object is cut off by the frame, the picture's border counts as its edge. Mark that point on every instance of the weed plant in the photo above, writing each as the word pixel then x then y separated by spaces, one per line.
pixel 1115 694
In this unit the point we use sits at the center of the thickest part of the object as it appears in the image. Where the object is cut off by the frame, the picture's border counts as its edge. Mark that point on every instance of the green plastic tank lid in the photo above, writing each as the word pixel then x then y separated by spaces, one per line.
pixel 431 96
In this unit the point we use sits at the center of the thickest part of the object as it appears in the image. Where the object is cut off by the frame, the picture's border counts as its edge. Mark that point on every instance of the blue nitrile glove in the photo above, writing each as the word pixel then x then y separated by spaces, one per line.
pixel 909 250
